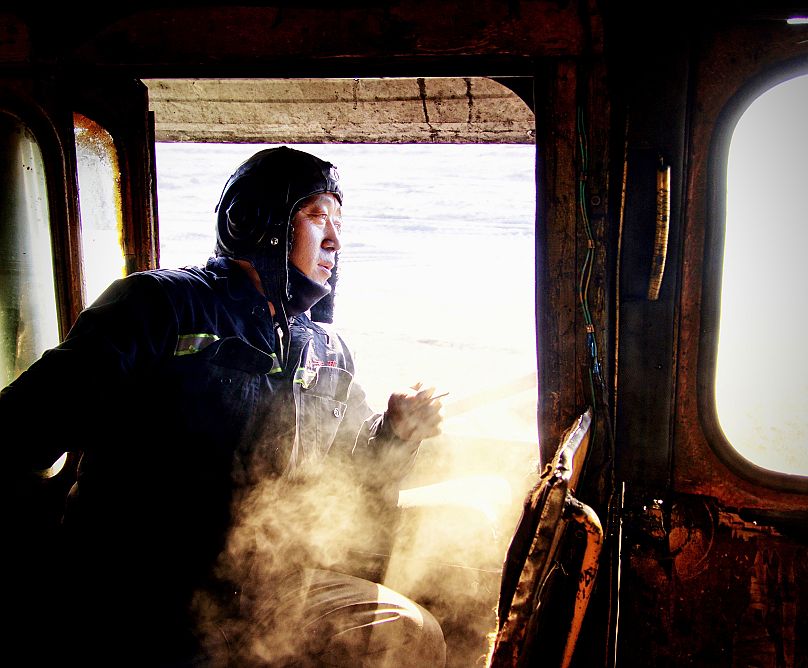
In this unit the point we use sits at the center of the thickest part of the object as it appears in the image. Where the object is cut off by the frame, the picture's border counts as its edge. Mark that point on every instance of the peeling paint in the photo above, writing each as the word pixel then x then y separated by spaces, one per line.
pixel 731 597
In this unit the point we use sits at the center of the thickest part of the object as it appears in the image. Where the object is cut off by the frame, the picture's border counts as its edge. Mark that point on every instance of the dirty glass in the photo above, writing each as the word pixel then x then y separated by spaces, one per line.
pixel 100 202
pixel 28 310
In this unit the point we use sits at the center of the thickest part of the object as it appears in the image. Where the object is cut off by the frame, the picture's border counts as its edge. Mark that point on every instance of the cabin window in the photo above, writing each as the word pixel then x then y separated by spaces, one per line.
pixel 436 275
pixel 28 310
pixel 100 202
pixel 762 365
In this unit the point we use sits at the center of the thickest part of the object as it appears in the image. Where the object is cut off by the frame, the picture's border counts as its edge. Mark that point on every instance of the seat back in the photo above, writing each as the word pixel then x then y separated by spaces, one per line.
pixel 528 590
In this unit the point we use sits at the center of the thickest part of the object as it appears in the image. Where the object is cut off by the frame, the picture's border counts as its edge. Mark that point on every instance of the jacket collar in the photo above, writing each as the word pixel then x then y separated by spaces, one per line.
pixel 233 280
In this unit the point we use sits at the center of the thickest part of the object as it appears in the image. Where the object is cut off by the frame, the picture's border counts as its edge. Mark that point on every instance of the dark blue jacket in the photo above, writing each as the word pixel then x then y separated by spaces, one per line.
pixel 170 387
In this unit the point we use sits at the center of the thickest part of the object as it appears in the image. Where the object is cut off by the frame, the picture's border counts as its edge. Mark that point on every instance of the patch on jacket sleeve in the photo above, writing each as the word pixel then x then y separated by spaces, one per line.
pixel 188 344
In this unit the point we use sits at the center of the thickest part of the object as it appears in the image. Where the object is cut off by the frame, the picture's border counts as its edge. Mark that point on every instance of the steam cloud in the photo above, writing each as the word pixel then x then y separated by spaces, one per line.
pixel 442 547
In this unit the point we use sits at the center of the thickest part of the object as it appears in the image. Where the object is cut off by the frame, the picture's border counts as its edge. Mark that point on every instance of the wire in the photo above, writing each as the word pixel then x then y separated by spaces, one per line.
pixel 596 380
pixel 586 269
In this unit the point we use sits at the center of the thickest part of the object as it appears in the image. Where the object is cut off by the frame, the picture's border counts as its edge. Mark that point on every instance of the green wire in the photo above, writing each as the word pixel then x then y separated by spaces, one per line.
pixel 586 270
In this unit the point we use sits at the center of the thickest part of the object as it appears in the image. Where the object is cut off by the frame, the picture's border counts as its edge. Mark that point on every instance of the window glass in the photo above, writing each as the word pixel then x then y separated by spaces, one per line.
pixel 436 273
pixel 100 202
pixel 762 366
pixel 28 311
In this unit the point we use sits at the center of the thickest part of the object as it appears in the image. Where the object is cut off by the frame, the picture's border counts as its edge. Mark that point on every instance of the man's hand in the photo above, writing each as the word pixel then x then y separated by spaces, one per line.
pixel 415 414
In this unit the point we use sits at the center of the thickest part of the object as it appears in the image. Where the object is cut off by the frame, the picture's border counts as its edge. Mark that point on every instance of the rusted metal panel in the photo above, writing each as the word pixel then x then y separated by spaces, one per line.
pixel 395 110
pixel 216 35
pixel 710 588
pixel 15 42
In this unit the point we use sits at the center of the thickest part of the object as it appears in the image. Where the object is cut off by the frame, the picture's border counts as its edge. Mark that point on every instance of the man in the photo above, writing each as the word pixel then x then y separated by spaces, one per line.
pixel 207 404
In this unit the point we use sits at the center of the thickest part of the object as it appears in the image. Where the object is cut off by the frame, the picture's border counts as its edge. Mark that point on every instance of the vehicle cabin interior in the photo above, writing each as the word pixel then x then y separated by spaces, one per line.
pixel 592 500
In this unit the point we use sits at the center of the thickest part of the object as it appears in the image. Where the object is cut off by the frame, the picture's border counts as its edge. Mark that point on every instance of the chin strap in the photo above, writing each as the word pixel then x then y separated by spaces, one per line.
pixel 291 292
pixel 272 271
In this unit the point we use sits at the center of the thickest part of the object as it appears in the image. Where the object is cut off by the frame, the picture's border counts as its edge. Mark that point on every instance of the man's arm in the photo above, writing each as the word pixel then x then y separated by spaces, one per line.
pixel 69 392
pixel 382 447
pixel 386 445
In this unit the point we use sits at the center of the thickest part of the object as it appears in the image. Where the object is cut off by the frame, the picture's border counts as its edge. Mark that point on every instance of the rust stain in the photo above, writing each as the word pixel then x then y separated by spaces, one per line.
pixel 691 538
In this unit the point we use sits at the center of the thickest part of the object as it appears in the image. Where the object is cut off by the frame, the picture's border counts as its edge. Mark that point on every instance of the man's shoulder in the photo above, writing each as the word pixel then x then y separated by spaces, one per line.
pixel 181 290
pixel 179 275
pixel 180 280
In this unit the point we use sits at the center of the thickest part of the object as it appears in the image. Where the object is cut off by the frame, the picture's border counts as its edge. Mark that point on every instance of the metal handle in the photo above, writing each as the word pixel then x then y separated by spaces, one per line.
pixel 663 214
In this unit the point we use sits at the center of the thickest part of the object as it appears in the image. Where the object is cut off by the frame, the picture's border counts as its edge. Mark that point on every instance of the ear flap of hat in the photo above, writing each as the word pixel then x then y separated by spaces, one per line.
pixel 241 225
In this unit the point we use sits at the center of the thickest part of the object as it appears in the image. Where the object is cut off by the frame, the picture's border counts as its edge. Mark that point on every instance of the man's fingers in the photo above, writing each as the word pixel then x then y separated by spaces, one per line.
pixel 425 393
pixel 416 415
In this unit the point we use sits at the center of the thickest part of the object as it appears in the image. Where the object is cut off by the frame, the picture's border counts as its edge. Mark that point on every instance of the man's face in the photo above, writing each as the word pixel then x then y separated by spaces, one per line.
pixel 315 236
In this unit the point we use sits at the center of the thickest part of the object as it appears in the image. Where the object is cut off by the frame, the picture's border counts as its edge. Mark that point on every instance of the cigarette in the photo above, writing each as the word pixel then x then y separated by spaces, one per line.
pixel 438 396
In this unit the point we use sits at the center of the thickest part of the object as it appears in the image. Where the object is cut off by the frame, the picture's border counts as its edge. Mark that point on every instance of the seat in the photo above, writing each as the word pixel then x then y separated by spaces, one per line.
pixel 34 567
pixel 540 612
pixel 442 547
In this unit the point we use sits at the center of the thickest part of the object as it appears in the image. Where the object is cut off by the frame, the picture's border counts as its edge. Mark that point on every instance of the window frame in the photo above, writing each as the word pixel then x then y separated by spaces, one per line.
pixel 761 53
pixel 713 276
